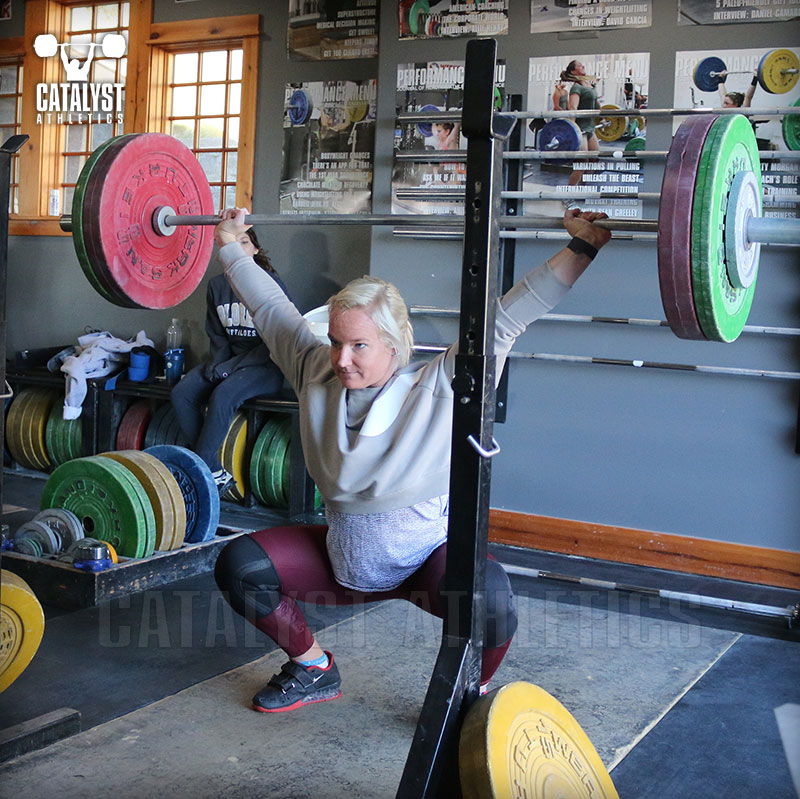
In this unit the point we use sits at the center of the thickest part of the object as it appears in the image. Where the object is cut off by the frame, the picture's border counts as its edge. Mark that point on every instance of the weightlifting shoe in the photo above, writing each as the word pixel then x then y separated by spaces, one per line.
pixel 296 685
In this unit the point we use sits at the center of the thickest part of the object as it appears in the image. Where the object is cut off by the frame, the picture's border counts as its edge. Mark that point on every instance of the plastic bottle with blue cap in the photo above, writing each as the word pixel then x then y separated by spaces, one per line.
pixel 174 352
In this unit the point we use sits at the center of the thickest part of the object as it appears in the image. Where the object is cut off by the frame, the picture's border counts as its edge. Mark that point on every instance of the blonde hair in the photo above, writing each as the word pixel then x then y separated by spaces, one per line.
pixel 385 306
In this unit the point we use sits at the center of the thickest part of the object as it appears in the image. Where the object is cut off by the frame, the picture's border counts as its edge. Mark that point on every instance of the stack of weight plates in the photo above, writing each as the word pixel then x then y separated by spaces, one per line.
pixel 268 462
pixel 50 532
pixel 108 499
pixel 232 456
pixel 200 495
pixel 37 539
pixel 64 524
pixel 64 437
pixel 133 426
pixel 84 240
pixel 164 428
pixel 25 427
pixel 21 627
pixel 112 211
pixel 707 269
pixel 163 492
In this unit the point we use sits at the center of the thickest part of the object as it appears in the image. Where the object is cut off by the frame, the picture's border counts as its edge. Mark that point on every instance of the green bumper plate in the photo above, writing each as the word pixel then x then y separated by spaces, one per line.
pixel 791 129
pixel 79 199
pixel 108 500
pixel 64 437
pixel 275 463
pixel 258 462
pixel 730 147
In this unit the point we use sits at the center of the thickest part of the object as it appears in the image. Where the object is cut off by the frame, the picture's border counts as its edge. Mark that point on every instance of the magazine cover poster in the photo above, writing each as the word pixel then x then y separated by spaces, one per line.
pixel 439 19
pixel 778 177
pixel 620 81
pixel 324 30
pixel 426 186
pixel 576 15
pixel 328 147
pixel 727 12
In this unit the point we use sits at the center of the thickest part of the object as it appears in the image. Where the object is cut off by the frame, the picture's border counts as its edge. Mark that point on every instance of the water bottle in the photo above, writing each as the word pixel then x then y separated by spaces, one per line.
pixel 174 354
pixel 174 335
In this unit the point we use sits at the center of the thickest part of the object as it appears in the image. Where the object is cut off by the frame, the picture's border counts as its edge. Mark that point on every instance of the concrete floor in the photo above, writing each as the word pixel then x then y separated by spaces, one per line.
pixel 672 697
pixel 617 674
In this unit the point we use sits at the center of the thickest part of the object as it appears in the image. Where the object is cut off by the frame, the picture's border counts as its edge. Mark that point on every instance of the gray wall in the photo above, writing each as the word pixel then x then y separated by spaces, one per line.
pixel 703 456
pixel 45 310
pixel 695 455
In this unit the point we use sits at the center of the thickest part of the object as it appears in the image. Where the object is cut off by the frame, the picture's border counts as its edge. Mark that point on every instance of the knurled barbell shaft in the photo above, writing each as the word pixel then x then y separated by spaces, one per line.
pixel 421 220
pixel 759 229
pixel 766 231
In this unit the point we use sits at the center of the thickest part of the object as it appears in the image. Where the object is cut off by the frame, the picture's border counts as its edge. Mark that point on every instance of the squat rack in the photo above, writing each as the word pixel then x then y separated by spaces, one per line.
pixel 431 769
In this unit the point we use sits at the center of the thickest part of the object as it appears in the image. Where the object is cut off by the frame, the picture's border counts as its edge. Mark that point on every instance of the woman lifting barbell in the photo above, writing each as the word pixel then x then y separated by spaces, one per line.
pixel 207 397
pixel 582 95
pixel 376 439
pixel 737 99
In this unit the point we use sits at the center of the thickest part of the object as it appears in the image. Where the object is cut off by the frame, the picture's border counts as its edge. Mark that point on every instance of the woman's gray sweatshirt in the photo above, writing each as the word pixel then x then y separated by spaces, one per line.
pixel 401 455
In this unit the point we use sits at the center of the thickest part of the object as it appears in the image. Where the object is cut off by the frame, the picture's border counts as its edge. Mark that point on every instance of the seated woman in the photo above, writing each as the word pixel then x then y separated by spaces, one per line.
pixel 376 438
pixel 207 397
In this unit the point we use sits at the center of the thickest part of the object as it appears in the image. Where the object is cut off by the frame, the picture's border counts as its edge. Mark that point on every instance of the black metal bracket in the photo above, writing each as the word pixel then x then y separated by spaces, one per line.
pixel 431 769
pixel 7 150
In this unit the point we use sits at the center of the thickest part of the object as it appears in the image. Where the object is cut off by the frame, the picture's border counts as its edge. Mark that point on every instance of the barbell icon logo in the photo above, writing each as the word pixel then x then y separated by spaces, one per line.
pixel 46 45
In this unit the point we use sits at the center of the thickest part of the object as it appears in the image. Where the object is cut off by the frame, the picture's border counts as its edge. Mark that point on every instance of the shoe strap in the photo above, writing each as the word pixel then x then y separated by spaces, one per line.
pixel 293 672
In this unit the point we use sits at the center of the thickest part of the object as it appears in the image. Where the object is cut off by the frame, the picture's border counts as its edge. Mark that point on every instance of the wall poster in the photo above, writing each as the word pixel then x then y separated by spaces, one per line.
pixel 328 147
pixel 324 30
pixel 725 12
pixel 620 80
pixel 438 19
pixel 425 187
pixel 571 15
pixel 778 177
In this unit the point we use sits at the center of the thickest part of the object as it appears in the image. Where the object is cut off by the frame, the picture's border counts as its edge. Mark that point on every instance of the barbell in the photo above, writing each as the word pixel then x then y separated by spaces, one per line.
pixel 142 212
pixel 113 45
pixel 564 134
pixel 301 105
pixel 777 72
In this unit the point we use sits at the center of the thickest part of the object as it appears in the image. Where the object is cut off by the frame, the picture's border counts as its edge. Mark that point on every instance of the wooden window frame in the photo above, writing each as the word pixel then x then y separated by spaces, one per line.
pixel 193 35
pixel 86 150
pixel 148 45
pixel 13 52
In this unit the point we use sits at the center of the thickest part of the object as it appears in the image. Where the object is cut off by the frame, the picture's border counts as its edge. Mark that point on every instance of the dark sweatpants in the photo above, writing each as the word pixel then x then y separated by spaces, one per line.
pixel 206 429
pixel 262 574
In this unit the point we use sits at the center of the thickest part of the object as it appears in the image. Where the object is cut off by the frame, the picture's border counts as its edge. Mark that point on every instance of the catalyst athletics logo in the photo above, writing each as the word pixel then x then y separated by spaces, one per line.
pixel 77 100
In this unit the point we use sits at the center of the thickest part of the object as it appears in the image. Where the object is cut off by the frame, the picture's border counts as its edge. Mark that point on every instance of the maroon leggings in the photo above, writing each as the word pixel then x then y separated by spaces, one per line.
pixel 262 574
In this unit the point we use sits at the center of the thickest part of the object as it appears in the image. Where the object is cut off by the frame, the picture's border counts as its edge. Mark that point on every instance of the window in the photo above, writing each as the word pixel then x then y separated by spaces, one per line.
pixel 151 75
pixel 10 120
pixel 203 91
pixel 86 28
pixel 204 105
